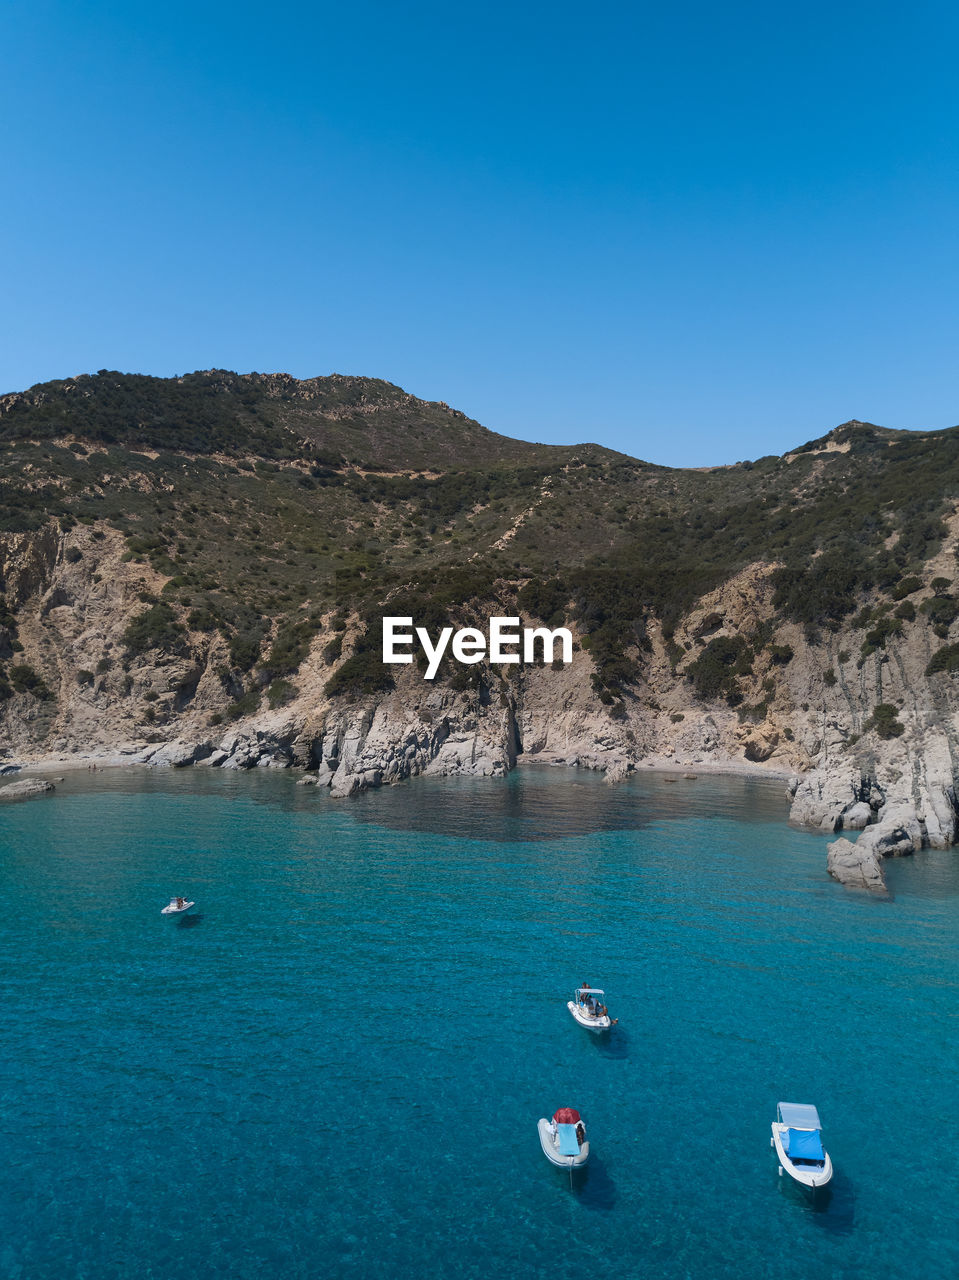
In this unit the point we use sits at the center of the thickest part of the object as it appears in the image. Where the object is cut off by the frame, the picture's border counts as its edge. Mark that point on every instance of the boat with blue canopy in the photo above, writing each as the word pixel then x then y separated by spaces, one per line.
pixel 797 1138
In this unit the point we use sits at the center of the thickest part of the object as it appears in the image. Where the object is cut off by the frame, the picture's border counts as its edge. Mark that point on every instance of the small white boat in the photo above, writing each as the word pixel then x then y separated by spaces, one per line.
pixel 563 1138
pixel 177 907
pixel 588 1007
pixel 797 1137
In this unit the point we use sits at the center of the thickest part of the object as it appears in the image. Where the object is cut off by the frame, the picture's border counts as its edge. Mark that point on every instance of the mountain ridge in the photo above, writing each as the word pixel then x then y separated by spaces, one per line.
pixel 329 394
pixel 153 410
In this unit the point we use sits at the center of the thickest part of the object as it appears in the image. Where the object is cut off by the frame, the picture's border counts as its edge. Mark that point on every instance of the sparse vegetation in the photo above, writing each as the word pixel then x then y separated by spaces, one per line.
pixel 23 679
pixel 280 693
pixel 245 705
pixel 947 659
pixel 884 720
pixel 156 628
pixel 714 673
pixel 781 654
pixel 290 647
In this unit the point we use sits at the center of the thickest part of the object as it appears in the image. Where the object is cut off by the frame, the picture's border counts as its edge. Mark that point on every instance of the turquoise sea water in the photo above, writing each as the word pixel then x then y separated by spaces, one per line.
pixel 337 1068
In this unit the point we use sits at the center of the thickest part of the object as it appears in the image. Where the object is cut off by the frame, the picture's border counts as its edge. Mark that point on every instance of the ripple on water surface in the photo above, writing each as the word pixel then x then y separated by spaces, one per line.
pixel 337 1067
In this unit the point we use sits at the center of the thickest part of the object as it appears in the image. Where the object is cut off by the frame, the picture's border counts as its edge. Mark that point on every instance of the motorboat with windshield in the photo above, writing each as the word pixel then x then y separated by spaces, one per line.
pixel 588 1007
pixel 797 1137
pixel 176 908
pixel 563 1138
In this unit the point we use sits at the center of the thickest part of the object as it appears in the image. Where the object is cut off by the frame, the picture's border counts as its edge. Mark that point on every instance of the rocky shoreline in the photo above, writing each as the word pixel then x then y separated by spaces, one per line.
pixel 358 760
pixel 807 715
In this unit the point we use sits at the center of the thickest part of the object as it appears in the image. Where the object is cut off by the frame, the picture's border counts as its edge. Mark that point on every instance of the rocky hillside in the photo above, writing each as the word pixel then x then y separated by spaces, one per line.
pixel 195 569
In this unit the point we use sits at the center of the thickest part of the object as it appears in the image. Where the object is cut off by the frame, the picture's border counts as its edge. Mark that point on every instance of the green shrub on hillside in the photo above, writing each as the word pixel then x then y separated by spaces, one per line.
pixel 156 628
pixel 884 628
pixel 822 592
pixel 244 650
pixel 714 673
pixel 290 647
pixel 906 587
pixel 202 619
pixel 364 671
pixel 360 674
pixel 544 598
pixel 24 679
pixel 942 611
pixel 781 654
pixel 280 693
pixel 245 705
pixel 947 659
pixel 885 722
pixel 754 714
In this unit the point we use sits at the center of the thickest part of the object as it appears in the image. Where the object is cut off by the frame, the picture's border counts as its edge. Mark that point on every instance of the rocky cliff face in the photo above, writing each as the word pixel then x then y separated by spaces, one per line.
pixel 808 708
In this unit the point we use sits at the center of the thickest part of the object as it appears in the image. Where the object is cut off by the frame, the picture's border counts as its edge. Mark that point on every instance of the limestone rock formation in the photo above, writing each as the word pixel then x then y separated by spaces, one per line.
pixel 23 790
pixel 177 755
pixel 897 832
pixel 851 865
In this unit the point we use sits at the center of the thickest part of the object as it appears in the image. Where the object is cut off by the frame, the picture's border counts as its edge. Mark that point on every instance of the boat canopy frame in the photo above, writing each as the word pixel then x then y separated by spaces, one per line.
pixel 798 1115
pixel 590 991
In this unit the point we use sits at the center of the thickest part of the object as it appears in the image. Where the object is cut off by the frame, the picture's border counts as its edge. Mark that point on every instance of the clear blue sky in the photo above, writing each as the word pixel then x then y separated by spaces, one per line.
pixel 695 232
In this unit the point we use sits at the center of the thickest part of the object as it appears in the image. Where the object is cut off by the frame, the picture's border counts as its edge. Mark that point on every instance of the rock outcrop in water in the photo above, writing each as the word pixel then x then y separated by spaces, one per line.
pixel 23 790
pixel 851 865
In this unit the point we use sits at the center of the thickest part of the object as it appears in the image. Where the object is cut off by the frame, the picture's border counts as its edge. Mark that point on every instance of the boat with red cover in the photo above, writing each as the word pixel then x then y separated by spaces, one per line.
pixel 563 1138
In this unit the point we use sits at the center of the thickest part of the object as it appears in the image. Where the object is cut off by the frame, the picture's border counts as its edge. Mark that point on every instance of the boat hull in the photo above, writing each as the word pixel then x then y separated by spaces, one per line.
pixel 806 1175
pixel 177 913
pixel 551 1152
pixel 591 1024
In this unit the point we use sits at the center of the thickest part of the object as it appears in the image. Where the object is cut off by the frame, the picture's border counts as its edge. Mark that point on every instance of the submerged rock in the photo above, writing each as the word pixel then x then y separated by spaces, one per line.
pixel 21 790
